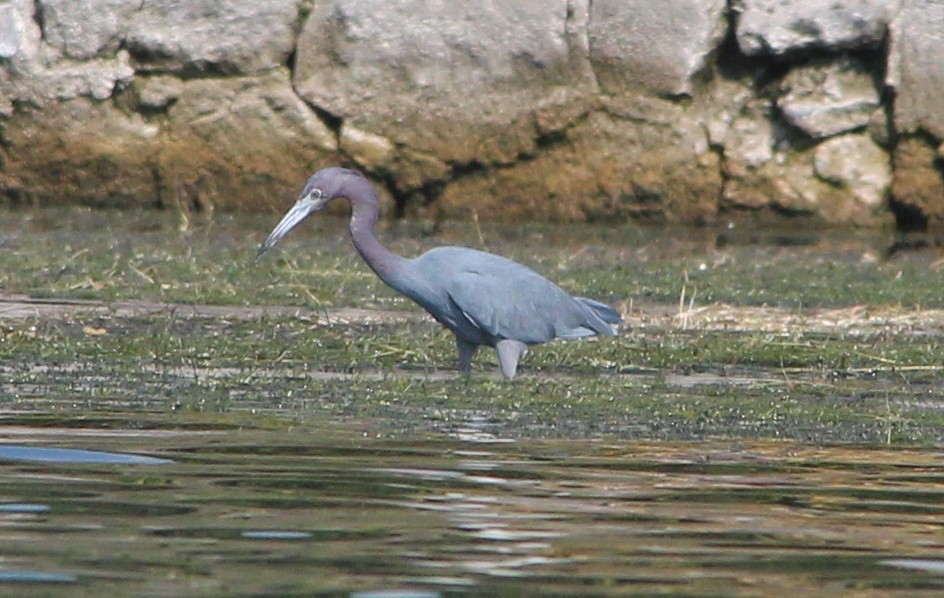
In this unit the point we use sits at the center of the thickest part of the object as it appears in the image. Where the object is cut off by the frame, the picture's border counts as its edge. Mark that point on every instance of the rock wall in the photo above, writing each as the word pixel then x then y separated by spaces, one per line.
pixel 679 111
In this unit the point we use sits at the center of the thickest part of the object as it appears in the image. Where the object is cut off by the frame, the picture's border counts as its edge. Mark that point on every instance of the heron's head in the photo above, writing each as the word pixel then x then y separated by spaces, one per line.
pixel 321 188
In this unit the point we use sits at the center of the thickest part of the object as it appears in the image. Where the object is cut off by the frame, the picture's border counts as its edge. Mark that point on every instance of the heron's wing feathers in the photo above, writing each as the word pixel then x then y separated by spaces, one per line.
pixel 500 307
pixel 521 305
pixel 494 298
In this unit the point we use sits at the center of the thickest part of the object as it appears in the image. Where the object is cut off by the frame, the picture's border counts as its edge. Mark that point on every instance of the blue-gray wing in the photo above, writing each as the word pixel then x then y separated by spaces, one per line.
pixel 505 300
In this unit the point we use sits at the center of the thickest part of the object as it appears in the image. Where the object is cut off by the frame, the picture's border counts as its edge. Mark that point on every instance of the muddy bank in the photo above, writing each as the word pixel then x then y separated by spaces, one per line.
pixel 857 320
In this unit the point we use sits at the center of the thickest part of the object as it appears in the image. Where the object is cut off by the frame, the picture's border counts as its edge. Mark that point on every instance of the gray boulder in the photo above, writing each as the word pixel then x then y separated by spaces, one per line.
pixel 84 29
pixel 455 80
pixel 916 72
pixel 34 73
pixel 780 26
pixel 19 34
pixel 219 36
pixel 636 45
pixel 828 98
pixel 916 68
pixel 500 86
pixel 16 26
pixel 67 80
pixel 856 164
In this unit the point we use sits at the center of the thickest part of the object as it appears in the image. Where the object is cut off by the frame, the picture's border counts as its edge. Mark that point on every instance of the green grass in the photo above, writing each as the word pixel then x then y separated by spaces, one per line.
pixel 830 390
pixel 106 255
pixel 655 381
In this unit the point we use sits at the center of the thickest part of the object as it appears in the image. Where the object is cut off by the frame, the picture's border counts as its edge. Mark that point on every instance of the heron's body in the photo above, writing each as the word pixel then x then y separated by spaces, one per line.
pixel 484 299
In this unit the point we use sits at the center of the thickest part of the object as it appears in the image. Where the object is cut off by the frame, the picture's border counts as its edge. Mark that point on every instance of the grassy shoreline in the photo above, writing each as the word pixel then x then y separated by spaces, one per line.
pixel 135 320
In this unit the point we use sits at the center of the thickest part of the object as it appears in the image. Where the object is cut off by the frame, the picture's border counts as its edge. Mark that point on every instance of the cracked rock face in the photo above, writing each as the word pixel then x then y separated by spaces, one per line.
pixel 636 48
pixel 916 73
pixel 225 36
pixel 560 109
pixel 855 163
pixel 446 79
pixel 915 67
pixel 825 99
pixel 85 29
pixel 777 27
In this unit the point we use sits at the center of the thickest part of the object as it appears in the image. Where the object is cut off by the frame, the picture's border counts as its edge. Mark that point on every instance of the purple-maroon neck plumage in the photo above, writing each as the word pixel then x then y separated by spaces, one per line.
pixel 365 212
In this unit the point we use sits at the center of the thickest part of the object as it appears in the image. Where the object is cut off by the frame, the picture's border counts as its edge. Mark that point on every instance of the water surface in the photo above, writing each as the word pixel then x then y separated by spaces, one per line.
pixel 351 507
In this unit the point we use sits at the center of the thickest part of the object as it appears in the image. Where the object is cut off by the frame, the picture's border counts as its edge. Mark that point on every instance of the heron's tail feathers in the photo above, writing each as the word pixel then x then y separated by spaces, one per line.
pixel 602 310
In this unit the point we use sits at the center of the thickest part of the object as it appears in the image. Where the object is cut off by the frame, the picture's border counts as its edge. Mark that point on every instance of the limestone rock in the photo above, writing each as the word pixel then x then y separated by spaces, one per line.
pixel 799 190
pixel 158 92
pixel 35 73
pixel 855 163
pixel 640 45
pixel 843 180
pixel 562 109
pixel 454 80
pixel 78 148
pixel 880 128
pixel 828 98
pixel 412 171
pixel 19 34
pixel 84 29
pixel 226 142
pixel 739 125
pixel 39 85
pixel 915 68
pixel 780 26
pixel 918 181
pixel 370 151
pixel 630 175
pixel 217 36
pixel 9 32
pixel 797 187
pixel 236 141
pixel 750 140
pixel 68 80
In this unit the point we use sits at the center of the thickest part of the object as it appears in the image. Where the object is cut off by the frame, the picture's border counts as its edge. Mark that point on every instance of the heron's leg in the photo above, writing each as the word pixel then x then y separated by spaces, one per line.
pixel 509 352
pixel 466 351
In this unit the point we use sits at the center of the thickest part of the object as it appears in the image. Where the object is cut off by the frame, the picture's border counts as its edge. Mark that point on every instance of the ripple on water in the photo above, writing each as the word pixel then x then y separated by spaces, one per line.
pixel 22 507
pixel 333 513
pixel 64 455
pixel 275 535
pixel 930 566
pixel 22 576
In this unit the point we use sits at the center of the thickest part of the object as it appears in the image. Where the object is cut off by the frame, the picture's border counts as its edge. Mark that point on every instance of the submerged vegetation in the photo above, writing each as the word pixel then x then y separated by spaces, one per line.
pixel 810 336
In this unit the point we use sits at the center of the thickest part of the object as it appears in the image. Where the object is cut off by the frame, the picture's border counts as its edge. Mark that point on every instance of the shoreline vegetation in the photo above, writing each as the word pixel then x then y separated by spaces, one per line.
pixel 137 323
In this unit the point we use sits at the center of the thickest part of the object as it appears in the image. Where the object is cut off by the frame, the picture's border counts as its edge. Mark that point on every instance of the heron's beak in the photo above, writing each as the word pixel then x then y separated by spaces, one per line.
pixel 302 208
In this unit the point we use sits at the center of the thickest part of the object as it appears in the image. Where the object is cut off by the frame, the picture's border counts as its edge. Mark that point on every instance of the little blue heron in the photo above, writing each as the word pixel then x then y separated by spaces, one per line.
pixel 484 299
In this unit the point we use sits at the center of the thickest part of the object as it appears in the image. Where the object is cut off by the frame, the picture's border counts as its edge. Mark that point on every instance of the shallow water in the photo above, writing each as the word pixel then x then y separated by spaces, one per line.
pixel 347 508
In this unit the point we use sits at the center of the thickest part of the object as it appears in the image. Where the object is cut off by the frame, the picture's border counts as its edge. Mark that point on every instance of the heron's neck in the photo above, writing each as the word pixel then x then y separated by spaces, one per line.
pixel 364 215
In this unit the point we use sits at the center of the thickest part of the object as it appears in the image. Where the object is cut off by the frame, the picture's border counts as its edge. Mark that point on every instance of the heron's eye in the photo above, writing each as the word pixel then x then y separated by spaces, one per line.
pixel 315 194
